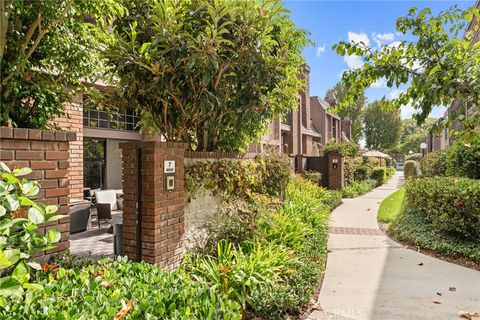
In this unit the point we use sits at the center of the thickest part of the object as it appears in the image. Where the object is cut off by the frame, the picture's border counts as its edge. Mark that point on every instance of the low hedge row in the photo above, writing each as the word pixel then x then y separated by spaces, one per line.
pixel 358 188
pixel 379 174
pixel 450 204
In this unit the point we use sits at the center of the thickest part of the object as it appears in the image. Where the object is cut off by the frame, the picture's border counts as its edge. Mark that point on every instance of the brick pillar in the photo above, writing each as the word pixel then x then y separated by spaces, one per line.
pixel 336 173
pixel 162 222
pixel 74 122
pixel 47 153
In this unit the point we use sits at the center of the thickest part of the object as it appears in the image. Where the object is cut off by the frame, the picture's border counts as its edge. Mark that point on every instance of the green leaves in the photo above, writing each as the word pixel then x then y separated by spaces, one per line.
pixel 53 236
pixel 35 215
pixel 19 217
pixel 433 65
pixel 186 64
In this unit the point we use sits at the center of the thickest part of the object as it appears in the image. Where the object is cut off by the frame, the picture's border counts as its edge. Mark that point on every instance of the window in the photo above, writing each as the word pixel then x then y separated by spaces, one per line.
pixel 95 118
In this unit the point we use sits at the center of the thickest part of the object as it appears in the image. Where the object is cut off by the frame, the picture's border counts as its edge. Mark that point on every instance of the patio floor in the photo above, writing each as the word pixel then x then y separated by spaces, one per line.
pixel 94 243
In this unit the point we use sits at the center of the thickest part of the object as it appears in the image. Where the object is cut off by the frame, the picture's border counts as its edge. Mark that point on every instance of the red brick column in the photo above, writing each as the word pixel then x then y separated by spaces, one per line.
pixel 162 222
pixel 336 171
pixel 47 153
pixel 74 122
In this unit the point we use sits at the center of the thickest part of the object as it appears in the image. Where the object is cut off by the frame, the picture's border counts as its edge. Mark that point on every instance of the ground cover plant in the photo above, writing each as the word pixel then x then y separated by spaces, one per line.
pixel 358 188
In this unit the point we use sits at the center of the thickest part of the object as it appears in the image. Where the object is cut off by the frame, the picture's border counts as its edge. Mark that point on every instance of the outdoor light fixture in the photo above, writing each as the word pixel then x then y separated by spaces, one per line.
pixel 423 147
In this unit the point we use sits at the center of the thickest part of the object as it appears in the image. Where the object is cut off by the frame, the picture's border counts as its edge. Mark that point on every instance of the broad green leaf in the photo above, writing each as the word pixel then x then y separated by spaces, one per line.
pixel 35 215
pixel 21 172
pixel 56 217
pixel 26 202
pixel 9 257
pixel 9 286
pixel 53 236
pixel 30 189
pixel 3 211
pixel 12 203
pixel 51 209
pixel 35 265
pixel 8 177
pixel 33 286
pixel 21 273
pixel 4 167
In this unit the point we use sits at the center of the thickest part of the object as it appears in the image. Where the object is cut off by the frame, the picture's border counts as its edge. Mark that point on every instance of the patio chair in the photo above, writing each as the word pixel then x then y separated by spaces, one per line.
pixel 79 215
pixel 107 205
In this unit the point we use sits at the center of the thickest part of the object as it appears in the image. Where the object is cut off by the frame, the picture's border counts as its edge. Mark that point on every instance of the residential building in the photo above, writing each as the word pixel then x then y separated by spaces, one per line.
pixel 306 128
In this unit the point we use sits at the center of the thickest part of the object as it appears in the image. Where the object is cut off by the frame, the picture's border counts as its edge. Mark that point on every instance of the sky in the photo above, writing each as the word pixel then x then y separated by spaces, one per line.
pixel 372 22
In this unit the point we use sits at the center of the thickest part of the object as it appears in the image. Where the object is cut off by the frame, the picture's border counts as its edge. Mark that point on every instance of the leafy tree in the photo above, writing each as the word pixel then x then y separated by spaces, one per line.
pixel 435 63
pixel 354 111
pixel 381 126
pixel 211 73
pixel 410 126
pixel 47 48
pixel 411 143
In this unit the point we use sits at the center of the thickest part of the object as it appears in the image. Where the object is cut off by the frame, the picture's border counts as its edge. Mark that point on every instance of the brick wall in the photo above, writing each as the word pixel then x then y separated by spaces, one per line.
pixel 47 153
pixel 162 224
pixel 74 122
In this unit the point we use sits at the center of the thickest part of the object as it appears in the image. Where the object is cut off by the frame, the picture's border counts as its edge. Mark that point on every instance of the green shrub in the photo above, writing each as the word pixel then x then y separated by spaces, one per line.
pixel 463 160
pixel 98 291
pixel 414 157
pixel 357 188
pixel 275 171
pixel 390 172
pixel 434 164
pixel 411 169
pixel 418 231
pixel 379 174
pixel 265 174
pixel 364 171
pixel 351 168
pixel 19 220
pixel 313 176
pixel 346 149
pixel 449 204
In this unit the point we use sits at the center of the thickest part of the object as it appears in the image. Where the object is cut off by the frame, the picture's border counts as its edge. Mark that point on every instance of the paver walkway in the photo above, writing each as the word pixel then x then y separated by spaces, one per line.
pixel 369 276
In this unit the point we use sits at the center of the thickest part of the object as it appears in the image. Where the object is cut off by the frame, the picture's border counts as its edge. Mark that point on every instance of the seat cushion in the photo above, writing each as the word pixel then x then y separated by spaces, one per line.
pixel 107 196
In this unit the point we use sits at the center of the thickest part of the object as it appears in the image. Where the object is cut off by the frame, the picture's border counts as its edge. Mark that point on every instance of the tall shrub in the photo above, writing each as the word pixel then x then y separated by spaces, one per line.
pixel 379 174
pixel 411 169
pixel 463 160
pixel 211 73
pixel 434 164
pixel 47 50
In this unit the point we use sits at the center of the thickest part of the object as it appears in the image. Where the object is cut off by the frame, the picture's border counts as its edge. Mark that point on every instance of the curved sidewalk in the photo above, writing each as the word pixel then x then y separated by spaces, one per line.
pixel 369 276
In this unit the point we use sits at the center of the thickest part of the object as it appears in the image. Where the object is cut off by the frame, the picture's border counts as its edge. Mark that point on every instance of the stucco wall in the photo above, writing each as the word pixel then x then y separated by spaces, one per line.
pixel 199 212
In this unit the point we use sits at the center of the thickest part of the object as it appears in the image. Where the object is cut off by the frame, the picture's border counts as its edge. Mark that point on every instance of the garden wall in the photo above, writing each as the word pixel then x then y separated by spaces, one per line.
pixel 47 153
pixel 200 209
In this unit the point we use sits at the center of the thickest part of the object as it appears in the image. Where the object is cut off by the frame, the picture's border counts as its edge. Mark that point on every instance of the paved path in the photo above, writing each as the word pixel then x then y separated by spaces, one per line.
pixel 369 276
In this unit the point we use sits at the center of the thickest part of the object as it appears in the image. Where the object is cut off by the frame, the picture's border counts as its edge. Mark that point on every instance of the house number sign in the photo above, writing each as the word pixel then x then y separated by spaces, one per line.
pixel 169 166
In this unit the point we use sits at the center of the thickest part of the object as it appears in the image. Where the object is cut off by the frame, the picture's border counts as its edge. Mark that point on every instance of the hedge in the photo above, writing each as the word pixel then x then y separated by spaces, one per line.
pixel 379 174
pixel 450 204
pixel 358 188
pixel 434 164
pixel 414 157
pixel 346 149
pixel 411 169
pixel 463 160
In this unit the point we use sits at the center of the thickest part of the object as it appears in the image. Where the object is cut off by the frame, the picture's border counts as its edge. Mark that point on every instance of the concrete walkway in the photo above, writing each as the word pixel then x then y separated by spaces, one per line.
pixel 369 276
